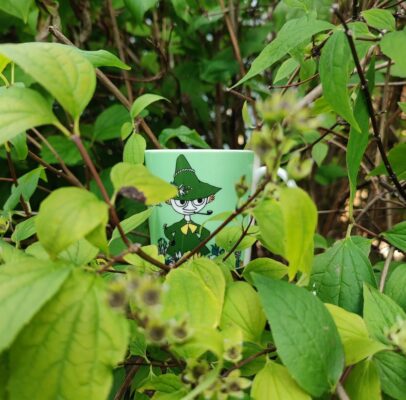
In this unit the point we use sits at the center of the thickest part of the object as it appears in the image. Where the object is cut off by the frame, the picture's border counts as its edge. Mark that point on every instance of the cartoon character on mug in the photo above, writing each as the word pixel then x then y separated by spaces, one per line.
pixel 193 196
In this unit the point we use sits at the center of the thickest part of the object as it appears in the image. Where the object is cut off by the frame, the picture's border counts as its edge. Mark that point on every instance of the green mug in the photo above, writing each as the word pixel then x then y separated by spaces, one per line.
pixel 206 182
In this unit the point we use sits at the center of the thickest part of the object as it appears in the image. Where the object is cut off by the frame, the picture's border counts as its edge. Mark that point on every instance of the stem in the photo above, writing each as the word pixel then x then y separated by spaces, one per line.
pixel 341 393
pixel 243 234
pixel 386 269
pixel 368 100
pixel 127 381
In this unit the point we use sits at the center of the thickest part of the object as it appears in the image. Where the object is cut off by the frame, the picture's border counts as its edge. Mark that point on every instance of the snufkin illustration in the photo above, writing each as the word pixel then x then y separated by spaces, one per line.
pixel 193 196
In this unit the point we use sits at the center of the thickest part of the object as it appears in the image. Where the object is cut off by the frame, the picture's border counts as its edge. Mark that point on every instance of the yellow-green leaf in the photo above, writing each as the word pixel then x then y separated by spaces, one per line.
pixel 363 382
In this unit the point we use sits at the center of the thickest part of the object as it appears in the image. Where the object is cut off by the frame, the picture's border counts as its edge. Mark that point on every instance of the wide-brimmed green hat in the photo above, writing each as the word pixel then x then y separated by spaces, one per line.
pixel 189 186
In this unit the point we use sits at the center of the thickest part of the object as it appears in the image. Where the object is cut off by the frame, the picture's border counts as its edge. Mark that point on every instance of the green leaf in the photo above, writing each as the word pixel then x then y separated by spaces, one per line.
pixel 189 297
pixel 20 147
pixel 132 222
pixel 59 68
pixel 60 223
pixel 134 149
pixel 154 189
pixel 108 123
pixel 229 236
pixel 274 382
pixel 397 161
pixel 380 313
pixel 64 147
pixel 397 235
pixel 138 343
pixel 71 346
pixel 393 45
pixel 24 230
pixel 396 284
pixel 335 67
pixel 139 8
pixel 266 267
pixel 17 8
pixel 185 135
pixel 402 106
pixel 392 372
pixel 380 19
pixel 319 152
pixel 103 58
pixel 354 335
pixel 22 109
pixel 79 253
pixel 143 265
pixel 242 308
pixel 293 33
pixel 9 253
pixel 363 382
pixel 143 102
pixel 286 69
pixel 25 286
pixel 339 273
pixel 304 333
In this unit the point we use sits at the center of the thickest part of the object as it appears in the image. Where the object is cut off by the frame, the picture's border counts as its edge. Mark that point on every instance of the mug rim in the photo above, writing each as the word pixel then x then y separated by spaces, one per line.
pixel 198 150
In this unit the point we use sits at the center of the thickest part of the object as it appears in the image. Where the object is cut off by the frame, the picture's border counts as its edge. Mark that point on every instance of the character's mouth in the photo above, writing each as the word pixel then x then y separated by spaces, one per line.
pixel 208 212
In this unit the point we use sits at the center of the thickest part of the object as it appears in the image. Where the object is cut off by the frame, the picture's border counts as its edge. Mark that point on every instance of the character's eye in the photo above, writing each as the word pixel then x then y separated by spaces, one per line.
pixel 198 202
pixel 180 203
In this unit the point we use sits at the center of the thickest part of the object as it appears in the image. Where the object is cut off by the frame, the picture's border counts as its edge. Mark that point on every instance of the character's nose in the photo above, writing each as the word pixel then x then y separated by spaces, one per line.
pixel 190 206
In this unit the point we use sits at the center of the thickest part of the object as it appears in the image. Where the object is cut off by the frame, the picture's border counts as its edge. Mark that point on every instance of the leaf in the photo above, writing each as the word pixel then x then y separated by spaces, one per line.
pixel 393 45
pixel 229 236
pixel 286 69
pixel 185 135
pixel 396 159
pixel 79 253
pixel 379 19
pixel 293 33
pixel 139 8
pixel 64 147
pixel 108 123
pixel 363 382
pixel 188 297
pixel 143 265
pixel 132 222
pixel 335 68
pixel 9 253
pixel 266 267
pixel 274 382
pixel 25 286
pixel 143 102
pixel 20 147
pixel 60 222
pixel 242 308
pixel 59 68
pixel 392 372
pixel 138 343
pixel 137 176
pixel 380 313
pixel 396 284
pixel 354 335
pixel 24 230
pixel 103 58
pixel 17 8
pixel 339 273
pixel 22 109
pixel 134 149
pixel 304 333
pixel 319 152
pixel 77 325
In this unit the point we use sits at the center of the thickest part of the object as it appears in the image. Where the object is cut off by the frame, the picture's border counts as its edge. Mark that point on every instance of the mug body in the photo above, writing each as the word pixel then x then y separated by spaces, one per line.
pixel 206 182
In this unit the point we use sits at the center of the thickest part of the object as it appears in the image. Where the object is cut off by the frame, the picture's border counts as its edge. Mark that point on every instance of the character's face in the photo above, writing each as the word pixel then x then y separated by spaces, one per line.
pixel 189 207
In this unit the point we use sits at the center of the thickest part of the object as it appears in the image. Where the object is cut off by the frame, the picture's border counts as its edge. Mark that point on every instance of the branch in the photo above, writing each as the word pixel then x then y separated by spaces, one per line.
pixel 127 381
pixel 341 393
pixel 368 100
pixel 386 269
pixel 243 234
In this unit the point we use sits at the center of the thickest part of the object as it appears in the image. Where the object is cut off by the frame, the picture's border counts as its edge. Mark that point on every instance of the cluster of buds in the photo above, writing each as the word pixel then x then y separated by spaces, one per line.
pixel 397 334
pixel 232 385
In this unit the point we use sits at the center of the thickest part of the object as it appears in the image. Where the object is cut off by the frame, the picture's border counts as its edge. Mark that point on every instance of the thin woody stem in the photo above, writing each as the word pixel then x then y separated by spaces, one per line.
pixel 243 234
pixel 368 100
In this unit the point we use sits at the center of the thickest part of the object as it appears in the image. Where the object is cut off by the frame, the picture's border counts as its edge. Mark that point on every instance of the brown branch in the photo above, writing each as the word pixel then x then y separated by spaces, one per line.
pixel 241 96
pixel 295 84
pixel 242 236
pixel 386 269
pixel 368 100
pixel 127 381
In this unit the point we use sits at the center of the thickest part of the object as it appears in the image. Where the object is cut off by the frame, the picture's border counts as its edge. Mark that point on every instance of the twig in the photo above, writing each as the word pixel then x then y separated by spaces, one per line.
pixel 368 100
pixel 242 236
pixel 241 96
pixel 295 84
pixel 386 269
pixel 341 393
pixel 355 7
pixel 127 382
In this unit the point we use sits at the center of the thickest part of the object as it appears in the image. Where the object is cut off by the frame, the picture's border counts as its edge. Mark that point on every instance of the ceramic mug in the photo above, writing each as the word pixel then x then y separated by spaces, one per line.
pixel 206 187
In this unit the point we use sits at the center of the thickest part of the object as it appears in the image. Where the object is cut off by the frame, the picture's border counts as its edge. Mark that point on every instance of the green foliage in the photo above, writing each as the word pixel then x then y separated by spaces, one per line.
pixel 379 19
pixel 397 235
pixel 393 45
pixel 363 382
pixel 143 102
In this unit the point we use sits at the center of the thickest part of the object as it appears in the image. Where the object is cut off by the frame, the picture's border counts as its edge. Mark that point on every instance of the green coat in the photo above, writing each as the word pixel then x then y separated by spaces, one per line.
pixel 180 243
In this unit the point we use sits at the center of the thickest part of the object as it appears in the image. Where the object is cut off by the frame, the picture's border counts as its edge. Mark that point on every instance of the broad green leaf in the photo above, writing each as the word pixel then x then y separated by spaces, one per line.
pixel 64 147
pixel 396 157
pixel 17 8
pixel 380 19
pixel 134 149
pixel 20 148
pixel 335 68
pixel 274 382
pixel 363 382
pixel 185 135
pixel 265 266
pixel 59 68
pixel 103 58
pixel 189 297
pixel 138 342
pixel 319 152
pixel 396 284
pixel 4 373
pixel 397 235
pixel 304 333
pixel 71 346
pixel 354 335
pixel 242 308
pixel 230 235
pixel 339 273
pixel 24 230
pixel 143 102
pixel 380 313
pixel 4 61
pixel 67 215
pixel 108 123
pixel 143 265
pixel 402 106
pixel 25 286
pixel 286 69
pixel 132 222
pixel 139 8
pixel 150 187
pixel 392 372
pixel 79 253
pixel 393 45
pixel 22 109
pixel 292 34
pixel 9 253
pixel 166 383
